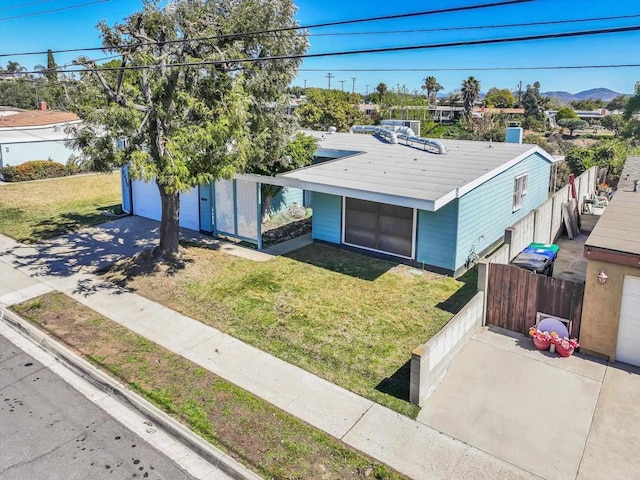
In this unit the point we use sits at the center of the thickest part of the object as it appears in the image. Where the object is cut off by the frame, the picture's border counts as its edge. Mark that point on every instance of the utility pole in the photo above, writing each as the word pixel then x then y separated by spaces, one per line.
pixel 520 94
pixel 342 84
pixel 367 92
pixel 305 85
pixel 353 85
pixel 329 76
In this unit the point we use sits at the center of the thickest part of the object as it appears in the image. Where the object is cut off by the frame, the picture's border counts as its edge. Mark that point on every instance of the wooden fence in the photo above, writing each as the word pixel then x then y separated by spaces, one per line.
pixel 515 295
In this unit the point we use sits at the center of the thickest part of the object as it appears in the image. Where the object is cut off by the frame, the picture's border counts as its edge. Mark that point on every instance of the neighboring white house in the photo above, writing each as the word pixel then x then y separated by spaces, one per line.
pixel 34 135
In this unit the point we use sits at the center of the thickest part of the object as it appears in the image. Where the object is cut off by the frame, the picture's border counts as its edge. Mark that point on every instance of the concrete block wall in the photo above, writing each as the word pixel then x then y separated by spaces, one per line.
pixel 520 235
pixel 542 228
pixel 429 362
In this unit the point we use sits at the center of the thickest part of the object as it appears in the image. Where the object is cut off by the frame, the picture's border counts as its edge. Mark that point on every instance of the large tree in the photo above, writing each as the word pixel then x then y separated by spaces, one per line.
pixel 188 107
pixel 631 112
pixel 499 98
pixel 330 108
pixel 432 87
pixel 470 91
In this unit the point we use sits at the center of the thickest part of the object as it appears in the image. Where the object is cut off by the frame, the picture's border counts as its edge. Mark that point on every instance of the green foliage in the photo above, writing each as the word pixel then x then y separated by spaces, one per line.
pixel 616 123
pixel 51 74
pixel 330 108
pixel 35 170
pixel 190 125
pixel 470 91
pixel 610 154
pixel 565 112
pixel 618 103
pixel 534 105
pixel 499 98
pixel 539 140
pixel 24 93
pixel 589 104
pixel 432 87
pixel 572 124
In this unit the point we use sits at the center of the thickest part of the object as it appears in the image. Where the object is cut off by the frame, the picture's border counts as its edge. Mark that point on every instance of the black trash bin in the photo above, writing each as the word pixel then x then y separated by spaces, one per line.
pixel 534 262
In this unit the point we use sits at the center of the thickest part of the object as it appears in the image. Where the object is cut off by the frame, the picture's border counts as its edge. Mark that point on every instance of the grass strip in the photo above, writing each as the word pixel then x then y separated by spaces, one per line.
pixel 349 318
pixel 259 435
pixel 35 211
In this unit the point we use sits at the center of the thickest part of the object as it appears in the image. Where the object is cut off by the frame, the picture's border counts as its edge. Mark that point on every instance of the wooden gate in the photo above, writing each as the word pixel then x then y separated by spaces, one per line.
pixel 515 295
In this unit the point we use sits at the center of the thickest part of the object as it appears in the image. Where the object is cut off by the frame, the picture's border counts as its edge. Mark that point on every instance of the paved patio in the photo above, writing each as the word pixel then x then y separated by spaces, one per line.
pixel 571 264
pixel 558 418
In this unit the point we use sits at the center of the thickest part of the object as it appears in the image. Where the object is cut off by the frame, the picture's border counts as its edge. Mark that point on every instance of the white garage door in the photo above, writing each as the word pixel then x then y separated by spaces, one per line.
pixel 146 203
pixel 189 209
pixel 146 200
pixel 628 349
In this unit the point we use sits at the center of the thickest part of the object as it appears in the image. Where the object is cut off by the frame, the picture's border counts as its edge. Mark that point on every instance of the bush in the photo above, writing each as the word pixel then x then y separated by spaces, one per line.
pixel 35 170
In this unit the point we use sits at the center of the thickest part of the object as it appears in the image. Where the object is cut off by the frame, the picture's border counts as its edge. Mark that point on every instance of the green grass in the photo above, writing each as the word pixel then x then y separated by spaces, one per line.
pixel 349 318
pixel 259 435
pixel 34 211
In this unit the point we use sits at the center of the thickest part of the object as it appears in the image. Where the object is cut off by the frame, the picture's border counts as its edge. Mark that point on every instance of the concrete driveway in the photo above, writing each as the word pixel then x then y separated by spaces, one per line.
pixel 558 418
pixel 94 248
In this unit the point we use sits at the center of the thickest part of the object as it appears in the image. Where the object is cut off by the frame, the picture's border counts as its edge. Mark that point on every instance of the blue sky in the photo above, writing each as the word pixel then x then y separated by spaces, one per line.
pixel 76 28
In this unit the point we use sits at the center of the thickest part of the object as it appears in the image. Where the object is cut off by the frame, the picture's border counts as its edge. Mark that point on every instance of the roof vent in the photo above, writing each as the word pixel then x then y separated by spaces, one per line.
pixel 332 130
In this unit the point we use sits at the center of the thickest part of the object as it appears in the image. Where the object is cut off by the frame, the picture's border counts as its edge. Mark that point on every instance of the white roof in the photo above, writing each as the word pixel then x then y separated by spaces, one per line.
pixel 26 135
pixel 405 175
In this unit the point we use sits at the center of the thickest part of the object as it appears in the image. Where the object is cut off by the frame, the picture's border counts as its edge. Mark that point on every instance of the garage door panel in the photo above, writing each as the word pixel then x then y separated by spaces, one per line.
pixel 190 210
pixel 628 347
pixel 395 243
pixel 146 200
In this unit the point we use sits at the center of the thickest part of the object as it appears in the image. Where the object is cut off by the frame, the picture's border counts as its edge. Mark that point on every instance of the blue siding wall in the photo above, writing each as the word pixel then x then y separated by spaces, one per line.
pixel 327 216
pixel 286 198
pixel 436 237
pixel 485 212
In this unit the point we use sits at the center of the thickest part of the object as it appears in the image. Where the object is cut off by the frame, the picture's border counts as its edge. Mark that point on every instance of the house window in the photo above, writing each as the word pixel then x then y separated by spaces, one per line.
pixel 519 191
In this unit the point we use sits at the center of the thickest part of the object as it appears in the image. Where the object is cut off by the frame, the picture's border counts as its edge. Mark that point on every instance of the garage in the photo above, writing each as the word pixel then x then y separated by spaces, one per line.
pixel 146 203
pixel 190 209
pixel 628 347
pixel 379 227
pixel 146 200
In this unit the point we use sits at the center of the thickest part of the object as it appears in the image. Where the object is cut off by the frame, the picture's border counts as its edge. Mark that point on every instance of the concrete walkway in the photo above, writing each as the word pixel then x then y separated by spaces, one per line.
pixel 411 447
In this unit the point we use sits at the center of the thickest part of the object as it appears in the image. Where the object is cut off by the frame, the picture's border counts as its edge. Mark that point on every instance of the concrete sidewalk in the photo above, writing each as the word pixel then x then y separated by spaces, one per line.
pixel 408 446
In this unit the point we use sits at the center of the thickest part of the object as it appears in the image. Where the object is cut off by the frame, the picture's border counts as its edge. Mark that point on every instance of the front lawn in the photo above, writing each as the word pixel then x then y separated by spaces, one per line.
pixel 346 317
pixel 252 431
pixel 34 211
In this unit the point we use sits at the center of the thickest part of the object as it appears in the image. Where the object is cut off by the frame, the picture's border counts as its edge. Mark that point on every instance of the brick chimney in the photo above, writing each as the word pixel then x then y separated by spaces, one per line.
pixel 42 105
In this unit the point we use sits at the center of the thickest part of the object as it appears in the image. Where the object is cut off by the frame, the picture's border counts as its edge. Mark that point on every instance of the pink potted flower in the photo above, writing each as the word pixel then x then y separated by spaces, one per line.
pixel 542 340
pixel 565 346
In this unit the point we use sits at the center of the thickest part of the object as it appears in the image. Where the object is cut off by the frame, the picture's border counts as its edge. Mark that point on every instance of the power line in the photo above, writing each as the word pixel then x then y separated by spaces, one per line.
pixel 286 29
pixel 467 69
pixel 13 7
pixel 467 43
pixel 54 10
pixel 477 27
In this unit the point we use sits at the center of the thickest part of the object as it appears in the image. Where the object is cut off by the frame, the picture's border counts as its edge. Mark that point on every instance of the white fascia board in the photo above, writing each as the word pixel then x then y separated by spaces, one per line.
pixel 503 168
pixel 340 191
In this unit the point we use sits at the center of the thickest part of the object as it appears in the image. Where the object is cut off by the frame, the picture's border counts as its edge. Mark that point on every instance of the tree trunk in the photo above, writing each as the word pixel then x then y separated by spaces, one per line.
pixel 267 204
pixel 169 225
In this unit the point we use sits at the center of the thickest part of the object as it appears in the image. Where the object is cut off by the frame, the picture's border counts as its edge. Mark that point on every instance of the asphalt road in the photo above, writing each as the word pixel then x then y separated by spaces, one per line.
pixel 48 430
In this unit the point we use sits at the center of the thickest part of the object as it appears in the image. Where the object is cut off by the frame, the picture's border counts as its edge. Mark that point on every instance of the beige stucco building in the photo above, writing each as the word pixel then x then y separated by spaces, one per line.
pixel 611 308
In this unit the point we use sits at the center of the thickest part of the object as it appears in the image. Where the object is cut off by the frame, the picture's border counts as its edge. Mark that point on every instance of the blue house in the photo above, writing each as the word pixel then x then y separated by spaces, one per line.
pixel 432 203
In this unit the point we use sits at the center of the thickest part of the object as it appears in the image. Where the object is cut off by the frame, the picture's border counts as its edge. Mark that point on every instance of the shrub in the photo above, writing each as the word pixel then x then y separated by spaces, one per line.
pixel 34 170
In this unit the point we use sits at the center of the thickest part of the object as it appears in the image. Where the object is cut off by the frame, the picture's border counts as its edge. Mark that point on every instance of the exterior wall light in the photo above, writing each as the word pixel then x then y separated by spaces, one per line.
pixel 602 277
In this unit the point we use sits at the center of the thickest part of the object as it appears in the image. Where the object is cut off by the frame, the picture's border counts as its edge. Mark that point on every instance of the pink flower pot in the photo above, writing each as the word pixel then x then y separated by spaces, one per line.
pixel 564 352
pixel 541 344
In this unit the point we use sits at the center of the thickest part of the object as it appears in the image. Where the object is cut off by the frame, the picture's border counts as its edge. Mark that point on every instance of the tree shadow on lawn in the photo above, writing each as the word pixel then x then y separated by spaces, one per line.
pixel 341 260
pixel 455 302
pixel 397 385
pixel 63 224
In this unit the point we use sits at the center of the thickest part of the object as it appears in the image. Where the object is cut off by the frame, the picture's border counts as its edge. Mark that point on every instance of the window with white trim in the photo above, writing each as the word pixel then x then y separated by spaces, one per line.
pixel 519 191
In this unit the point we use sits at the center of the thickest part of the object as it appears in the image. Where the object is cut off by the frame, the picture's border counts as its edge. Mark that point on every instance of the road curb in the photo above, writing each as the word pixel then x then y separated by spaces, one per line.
pixel 107 384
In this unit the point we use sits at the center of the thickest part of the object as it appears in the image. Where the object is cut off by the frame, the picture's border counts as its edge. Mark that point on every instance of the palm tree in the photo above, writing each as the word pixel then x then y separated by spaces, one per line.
pixel 432 87
pixel 470 91
pixel 382 89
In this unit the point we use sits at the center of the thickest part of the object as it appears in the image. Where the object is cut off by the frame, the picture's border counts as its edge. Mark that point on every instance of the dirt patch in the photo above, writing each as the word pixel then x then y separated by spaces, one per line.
pixel 254 432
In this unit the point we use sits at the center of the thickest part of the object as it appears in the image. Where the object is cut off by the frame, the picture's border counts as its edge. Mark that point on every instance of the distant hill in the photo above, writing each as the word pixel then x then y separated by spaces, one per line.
pixel 599 93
